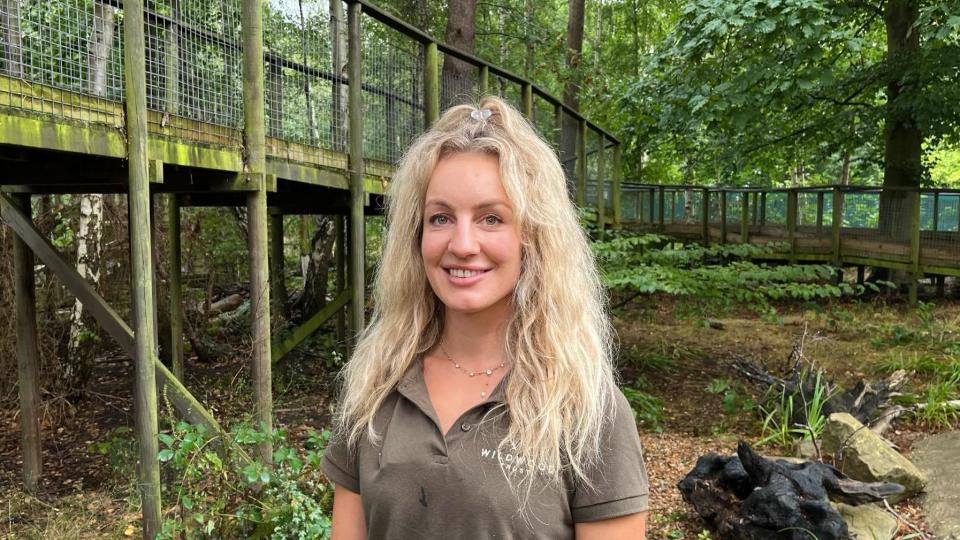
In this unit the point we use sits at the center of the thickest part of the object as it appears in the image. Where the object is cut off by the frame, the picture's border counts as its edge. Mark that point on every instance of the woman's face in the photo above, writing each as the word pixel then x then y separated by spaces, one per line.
pixel 471 242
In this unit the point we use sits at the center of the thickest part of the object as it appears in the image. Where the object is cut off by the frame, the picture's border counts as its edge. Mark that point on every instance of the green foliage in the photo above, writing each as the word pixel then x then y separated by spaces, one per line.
pixel 735 399
pixel 647 408
pixel 217 494
pixel 779 408
pixel 714 277
pixel 121 450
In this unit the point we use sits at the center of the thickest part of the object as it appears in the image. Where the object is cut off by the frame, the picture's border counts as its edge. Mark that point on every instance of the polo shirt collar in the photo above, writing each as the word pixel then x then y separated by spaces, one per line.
pixel 413 387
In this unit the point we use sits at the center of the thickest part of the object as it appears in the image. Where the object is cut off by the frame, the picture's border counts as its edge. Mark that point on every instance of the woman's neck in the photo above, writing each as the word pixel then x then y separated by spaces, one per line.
pixel 475 340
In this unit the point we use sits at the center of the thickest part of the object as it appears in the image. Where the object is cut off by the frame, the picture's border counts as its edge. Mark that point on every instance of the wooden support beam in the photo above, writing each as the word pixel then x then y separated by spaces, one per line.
pixel 616 194
pixel 745 217
pixel 601 200
pixel 28 354
pixel 763 208
pixel 355 112
pixel 299 334
pixel 936 210
pixel 278 288
pixel 819 213
pixel 723 216
pixel 792 224
pixel 145 394
pixel 255 139
pixel 705 216
pixel 557 127
pixel 431 80
pixel 339 255
pixel 662 198
pixel 175 261
pixel 652 208
pixel 484 87
pixel 836 225
pixel 526 102
pixel 581 197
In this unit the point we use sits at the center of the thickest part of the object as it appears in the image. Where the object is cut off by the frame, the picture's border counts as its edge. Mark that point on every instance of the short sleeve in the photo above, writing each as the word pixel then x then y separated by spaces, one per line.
pixel 340 463
pixel 620 485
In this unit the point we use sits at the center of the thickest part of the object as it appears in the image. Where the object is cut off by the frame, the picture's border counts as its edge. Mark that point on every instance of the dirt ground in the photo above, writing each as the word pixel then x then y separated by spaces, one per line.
pixel 84 497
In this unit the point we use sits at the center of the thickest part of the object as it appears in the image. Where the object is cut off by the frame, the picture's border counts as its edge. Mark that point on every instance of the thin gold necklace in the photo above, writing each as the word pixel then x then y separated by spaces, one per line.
pixel 488 372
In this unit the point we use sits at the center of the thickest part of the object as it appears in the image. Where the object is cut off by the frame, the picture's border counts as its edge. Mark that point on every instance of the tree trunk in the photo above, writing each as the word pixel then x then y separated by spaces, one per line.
pixel 902 151
pixel 313 296
pixel 461 34
pixel 338 30
pixel 845 169
pixel 528 14
pixel 571 90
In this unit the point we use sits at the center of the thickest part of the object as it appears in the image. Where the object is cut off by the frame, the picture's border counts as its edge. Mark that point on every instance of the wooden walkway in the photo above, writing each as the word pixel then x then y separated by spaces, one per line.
pixel 914 230
pixel 231 103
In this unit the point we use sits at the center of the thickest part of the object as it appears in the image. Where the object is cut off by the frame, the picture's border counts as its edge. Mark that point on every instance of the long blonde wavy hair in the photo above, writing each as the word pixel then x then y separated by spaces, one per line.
pixel 559 341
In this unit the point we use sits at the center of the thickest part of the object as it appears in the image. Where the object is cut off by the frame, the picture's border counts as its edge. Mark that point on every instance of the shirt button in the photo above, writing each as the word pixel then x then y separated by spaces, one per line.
pixel 466 427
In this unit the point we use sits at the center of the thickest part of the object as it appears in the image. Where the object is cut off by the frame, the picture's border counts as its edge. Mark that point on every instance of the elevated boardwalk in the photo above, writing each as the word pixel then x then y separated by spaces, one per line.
pixel 915 230
pixel 281 107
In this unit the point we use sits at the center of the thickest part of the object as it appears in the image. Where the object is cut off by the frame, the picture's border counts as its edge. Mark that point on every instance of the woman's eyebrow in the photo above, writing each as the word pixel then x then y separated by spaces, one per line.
pixel 483 205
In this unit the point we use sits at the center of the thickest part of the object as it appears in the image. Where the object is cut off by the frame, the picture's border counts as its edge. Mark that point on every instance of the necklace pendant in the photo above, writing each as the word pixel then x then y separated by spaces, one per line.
pixel 483 394
pixel 489 372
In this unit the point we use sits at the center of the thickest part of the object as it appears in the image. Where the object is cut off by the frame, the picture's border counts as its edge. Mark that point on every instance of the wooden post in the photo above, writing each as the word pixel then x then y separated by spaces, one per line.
pixel 339 255
pixel 145 388
pixel 431 78
pixel 582 164
pixel 860 274
pixel 484 80
pixel 174 257
pixel 638 204
pixel 936 210
pixel 278 289
pixel 915 246
pixel 792 224
pixel 755 214
pixel 941 282
pixel 673 206
pixel 557 127
pixel 663 213
pixel 836 224
pixel 355 111
pixel 652 208
pixel 526 102
pixel 255 134
pixel 705 216
pixel 819 213
pixel 745 217
pixel 28 355
pixel 617 174
pixel 600 195
pixel 763 208
pixel 723 216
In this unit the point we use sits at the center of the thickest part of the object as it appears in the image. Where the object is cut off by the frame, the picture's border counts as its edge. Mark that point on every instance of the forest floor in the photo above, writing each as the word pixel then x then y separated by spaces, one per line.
pixel 89 494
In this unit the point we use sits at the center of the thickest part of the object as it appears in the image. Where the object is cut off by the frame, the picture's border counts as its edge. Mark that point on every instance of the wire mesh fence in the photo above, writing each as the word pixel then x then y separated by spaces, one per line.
pixel 63 58
pixel 940 227
pixel 392 91
pixel 544 120
pixel 459 81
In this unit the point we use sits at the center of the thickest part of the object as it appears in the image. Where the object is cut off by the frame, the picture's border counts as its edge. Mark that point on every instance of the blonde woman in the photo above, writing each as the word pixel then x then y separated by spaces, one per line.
pixel 481 402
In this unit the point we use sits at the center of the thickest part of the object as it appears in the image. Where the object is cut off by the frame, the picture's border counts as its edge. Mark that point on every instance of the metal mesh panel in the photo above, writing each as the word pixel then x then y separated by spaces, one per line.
pixel 628 204
pixel 194 70
pixel 733 208
pixel 567 151
pixel 809 208
pixel 63 58
pixel 306 99
pixel 392 91
pixel 506 89
pixel 714 207
pixel 940 227
pixel 458 81
pixel 593 144
pixel 775 209
pixel 544 120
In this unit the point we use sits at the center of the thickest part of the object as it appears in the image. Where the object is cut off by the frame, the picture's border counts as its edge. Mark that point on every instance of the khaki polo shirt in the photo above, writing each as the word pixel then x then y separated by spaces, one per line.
pixel 420 484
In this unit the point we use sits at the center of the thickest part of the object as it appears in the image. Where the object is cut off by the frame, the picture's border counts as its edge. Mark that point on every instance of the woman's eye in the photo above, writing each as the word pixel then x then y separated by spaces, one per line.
pixel 491 220
pixel 439 219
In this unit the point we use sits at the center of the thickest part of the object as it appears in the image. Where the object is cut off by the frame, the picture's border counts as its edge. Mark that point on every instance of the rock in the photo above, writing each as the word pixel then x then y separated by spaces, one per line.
pixel 867 522
pixel 864 456
pixel 806 449
pixel 937 457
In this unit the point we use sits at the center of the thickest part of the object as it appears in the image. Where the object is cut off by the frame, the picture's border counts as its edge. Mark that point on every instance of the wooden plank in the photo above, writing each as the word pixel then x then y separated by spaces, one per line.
pixel 145 390
pixel 744 217
pixel 836 226
pixel 526 101
pixel 174 260
pixel 914 244
pixel 484 80
pixel 792 222
pixel 601 201
pixel 298 335
pixel 723 216
pixel 616 192
pixel 357 164
pixel 28 355
pixel 705 216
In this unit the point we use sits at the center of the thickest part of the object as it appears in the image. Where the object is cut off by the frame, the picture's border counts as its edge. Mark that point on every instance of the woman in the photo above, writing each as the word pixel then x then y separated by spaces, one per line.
pixel 481 402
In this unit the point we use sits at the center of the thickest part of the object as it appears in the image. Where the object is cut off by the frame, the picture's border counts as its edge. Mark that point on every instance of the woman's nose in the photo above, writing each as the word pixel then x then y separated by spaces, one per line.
pixel 463 243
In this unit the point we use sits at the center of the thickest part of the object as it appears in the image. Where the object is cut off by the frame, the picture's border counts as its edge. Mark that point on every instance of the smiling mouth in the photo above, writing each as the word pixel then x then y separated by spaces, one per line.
pixel 461 273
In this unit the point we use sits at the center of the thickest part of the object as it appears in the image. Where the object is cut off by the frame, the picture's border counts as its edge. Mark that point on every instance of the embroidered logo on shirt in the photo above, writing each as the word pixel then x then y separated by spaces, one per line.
pixel 512 462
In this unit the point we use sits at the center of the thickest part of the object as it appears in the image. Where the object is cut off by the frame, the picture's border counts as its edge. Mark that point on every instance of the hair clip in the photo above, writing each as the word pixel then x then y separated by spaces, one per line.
pixel 480 114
